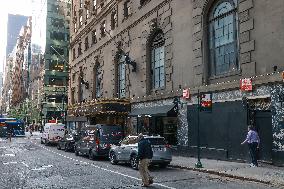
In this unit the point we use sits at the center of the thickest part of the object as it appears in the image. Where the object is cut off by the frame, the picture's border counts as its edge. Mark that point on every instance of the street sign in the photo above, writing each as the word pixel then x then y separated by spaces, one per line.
pixel 246 84
pixel 186 94
pixel 205 102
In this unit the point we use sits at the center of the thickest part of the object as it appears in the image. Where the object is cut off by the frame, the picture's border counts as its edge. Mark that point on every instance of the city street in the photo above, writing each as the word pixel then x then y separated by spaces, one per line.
pixel 25 163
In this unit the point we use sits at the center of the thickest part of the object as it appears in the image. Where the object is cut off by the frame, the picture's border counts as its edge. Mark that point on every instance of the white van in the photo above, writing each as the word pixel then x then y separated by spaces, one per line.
pixel 53 132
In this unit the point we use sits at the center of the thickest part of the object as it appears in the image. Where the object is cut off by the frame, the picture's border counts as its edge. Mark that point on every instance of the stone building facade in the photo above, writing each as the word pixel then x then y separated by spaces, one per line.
pixel 149 51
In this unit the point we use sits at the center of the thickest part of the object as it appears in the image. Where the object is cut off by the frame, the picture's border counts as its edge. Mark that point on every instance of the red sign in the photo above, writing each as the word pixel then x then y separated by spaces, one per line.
pixel 246 84
pixel 52 121
pixel 186 93
pixel 206 102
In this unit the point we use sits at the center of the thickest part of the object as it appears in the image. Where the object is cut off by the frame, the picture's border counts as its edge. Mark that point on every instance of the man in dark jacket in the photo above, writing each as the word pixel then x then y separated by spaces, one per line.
pixel 145 154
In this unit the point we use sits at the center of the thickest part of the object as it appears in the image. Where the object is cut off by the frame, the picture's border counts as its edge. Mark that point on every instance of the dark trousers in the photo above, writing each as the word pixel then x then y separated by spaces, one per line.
pixel 253 152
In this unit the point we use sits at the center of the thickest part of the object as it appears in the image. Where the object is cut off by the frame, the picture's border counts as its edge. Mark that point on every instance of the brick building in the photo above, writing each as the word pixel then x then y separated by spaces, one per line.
pixel 148 51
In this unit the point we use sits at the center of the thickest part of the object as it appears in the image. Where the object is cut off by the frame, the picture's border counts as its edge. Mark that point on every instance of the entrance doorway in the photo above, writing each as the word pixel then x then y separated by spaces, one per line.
pixel 263 124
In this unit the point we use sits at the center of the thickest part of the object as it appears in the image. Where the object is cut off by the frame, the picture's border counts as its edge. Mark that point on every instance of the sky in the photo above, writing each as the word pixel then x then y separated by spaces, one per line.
pixel 22 7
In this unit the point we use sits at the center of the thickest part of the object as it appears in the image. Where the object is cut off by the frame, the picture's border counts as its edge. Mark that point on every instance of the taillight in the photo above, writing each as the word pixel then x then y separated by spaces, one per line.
pixel 97 141
pixel 168 146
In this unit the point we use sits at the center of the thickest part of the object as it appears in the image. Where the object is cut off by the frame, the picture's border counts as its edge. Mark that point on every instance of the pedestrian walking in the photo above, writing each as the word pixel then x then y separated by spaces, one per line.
pixel 31 129
pixel 253 141
pixel 145 154
pixel 9 132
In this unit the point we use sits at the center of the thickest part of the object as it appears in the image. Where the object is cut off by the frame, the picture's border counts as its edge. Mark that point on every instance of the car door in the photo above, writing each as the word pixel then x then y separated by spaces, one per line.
pixel 132 145
pixel 80 144
pixel 120 150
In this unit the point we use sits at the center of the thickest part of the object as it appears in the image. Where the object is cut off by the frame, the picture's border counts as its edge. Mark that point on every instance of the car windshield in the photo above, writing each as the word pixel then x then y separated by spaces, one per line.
pixel 157 141
pixel 111 133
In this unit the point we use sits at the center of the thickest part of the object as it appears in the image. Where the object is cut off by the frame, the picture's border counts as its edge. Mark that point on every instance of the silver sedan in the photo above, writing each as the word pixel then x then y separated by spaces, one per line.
pixel 127 150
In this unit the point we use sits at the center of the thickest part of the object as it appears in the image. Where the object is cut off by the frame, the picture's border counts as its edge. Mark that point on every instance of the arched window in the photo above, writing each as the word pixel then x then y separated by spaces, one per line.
pixel 121 77
pixel 158 61
pixel 223 48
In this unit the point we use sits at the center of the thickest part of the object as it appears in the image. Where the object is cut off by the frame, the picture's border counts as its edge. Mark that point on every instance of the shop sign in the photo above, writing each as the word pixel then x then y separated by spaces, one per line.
pixel 205 102
pixel 186 94
pixel 246 84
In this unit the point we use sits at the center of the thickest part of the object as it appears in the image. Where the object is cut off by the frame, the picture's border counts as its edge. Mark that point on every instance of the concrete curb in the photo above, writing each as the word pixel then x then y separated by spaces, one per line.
pixel 213 172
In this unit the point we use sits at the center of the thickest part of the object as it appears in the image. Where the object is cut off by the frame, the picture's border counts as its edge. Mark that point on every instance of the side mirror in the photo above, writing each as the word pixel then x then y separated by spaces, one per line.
pixel 119 143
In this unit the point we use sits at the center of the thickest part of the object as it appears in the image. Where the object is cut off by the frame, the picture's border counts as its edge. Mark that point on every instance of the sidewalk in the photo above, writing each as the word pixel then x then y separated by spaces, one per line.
pixel 265 173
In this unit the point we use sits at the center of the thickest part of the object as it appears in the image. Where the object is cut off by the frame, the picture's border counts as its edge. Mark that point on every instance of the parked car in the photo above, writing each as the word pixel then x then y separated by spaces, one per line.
pixel 97 139
pixel 68 141
pixel 53 132
pixel 127 150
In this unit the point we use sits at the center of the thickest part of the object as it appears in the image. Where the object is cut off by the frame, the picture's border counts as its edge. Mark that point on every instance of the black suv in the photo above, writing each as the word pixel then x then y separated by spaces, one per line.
pixel 96 140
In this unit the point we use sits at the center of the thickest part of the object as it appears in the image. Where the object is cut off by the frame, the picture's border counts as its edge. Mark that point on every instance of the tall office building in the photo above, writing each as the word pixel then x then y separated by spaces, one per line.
pixel 15 23
pixel 54 101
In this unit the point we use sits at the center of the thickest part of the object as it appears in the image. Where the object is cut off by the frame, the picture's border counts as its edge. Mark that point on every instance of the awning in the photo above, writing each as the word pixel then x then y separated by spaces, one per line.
pixel 164 110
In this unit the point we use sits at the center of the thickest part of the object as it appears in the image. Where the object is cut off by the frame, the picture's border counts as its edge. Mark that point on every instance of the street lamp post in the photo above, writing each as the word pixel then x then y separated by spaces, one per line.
pixel 198 163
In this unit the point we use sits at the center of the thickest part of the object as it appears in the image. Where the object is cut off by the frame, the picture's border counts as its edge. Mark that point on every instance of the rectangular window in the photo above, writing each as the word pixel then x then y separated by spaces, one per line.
pixel 113 20
pixel 57 65
pixel 56 50
pixel 103 28
pixel 102 3
pixel 72 97
pixel 58 23
pixel 94 36
pixel 73 77
pixel 158 67
pixel 75 27
pixel 86 43
pixel 143 2
pixel 56 81
pixel 81 20
pixel 80 49
pixel 81 3
pixel 98 82
pixel 57 36
pixel 127 9
pixel 94 6
pixel 121 78
pixel 87 14
pixel 74 54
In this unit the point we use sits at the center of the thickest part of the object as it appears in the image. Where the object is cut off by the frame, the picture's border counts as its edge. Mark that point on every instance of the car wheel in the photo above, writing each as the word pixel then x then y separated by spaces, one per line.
pixel 66 147
pixel 163 165
pixel 113 158
pixel 134 162
pixel 91 155
pixel 76 151
pixel 58 146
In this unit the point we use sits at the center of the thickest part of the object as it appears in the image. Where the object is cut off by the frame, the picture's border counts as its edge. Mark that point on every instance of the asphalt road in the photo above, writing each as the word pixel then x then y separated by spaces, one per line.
pixel 25 163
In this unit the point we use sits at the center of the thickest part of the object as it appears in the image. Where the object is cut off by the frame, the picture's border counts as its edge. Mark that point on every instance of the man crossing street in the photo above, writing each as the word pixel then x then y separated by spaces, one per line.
pixel 145 154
